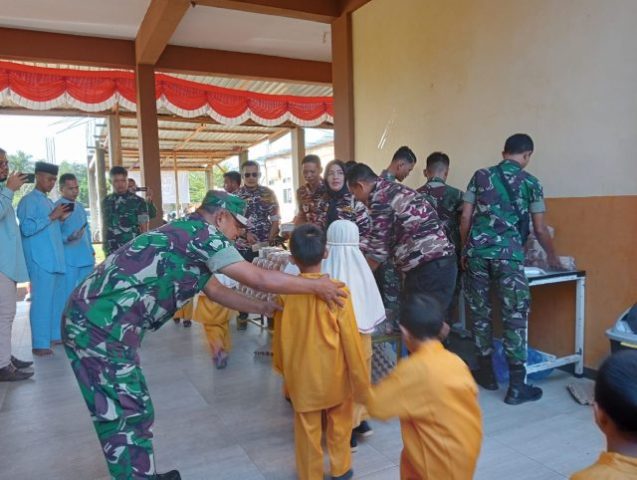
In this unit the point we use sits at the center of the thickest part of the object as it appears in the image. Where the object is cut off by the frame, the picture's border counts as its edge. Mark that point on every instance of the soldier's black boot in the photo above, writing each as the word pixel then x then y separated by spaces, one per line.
pixel 172 475
pixel 484 375
pixel 519 391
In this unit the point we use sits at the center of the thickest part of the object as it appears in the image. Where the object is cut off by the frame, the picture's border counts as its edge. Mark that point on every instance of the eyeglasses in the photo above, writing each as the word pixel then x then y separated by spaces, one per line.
pixel 251 174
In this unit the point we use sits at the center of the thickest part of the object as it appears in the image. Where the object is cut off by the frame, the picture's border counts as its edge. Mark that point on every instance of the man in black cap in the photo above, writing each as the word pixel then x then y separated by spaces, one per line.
pixel 44 255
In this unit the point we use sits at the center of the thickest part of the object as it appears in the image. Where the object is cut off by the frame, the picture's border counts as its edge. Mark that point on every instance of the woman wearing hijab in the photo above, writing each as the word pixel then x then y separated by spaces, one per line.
pixel 339 200
pixel 345 262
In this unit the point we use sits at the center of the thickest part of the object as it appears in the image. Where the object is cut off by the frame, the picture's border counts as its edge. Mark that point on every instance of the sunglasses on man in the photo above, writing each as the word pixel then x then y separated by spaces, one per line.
pixel 251 174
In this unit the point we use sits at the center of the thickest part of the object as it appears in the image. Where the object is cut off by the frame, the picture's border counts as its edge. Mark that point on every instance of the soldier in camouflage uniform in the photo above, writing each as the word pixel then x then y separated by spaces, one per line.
pixel 447 201
pixel 310 198
pixel 262 212
pixel 125 214
pixel 493 235
pixel 138 289
pixel 406 228
pixel 387 276
pixel 133 188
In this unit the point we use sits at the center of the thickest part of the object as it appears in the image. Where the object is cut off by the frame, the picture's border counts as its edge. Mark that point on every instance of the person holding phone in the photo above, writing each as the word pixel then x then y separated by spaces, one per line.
pixel 44 254
pixel 13 269
pixel 79 255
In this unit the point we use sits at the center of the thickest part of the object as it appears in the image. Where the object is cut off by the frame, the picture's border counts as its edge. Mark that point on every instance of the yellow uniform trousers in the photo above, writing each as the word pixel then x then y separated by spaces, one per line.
pixel 360 412
pixel 308 431
pixel 185 312
pixel 215 319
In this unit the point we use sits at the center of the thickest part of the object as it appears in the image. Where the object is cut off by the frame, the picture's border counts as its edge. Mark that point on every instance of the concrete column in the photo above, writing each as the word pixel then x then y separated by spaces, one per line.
pixel 100 182
pixel 298 152
pixel 114 140
pixel 149 159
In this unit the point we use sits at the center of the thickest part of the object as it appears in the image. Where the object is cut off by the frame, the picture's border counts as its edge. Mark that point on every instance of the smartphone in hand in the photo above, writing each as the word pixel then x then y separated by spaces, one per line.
pixel 69 207
pixel 30 177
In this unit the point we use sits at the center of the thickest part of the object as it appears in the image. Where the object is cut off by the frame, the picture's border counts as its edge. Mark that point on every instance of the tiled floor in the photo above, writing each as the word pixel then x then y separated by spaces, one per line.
pixel 233 424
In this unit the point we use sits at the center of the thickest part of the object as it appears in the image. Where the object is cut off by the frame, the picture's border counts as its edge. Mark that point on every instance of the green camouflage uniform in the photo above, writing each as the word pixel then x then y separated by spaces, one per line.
pixel 447 201
pixel 123 215
pixel 136 289
pixel 495 253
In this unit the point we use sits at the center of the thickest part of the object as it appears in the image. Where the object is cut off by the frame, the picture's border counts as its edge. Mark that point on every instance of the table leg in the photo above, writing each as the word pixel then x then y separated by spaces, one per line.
pixel 580 308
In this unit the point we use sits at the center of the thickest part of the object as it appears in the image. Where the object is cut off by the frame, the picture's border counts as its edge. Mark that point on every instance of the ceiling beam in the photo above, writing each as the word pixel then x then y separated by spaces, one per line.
pixel 195 142
pixel 202 61
pixel 159 24
pixel 235 131
pixel 46 47
pixel 348 6
pixel 324 11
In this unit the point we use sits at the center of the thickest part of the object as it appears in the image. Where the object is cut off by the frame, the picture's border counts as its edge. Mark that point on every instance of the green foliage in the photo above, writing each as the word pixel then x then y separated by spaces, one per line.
pixel 197 186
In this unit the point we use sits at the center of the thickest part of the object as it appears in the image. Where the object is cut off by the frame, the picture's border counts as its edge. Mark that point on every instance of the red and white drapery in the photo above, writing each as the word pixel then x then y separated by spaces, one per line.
pixel 40 88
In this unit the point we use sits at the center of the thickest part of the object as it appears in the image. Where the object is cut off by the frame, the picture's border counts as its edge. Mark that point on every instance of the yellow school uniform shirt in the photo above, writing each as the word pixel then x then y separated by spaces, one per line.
pixel 436 399
pixel 610 466
pixel 318 352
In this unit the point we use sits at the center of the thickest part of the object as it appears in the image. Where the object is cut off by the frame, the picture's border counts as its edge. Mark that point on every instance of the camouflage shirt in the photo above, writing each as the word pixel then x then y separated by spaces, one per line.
pixel 448 205
pixel 123 215
pixel 311 204
pixel 262 208
pixel 494 233
pixel 404 225
pixel 141 286
pixel 344 207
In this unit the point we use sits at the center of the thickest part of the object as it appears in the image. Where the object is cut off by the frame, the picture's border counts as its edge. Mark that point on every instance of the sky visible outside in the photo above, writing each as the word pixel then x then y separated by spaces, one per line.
pixel 29 133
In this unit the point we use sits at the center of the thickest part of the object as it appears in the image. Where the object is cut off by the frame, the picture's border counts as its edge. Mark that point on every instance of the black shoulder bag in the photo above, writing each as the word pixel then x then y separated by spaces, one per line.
pixel 523 219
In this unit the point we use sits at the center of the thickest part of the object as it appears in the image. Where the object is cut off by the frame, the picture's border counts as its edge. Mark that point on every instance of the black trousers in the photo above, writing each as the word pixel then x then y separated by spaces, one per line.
pixel 436 278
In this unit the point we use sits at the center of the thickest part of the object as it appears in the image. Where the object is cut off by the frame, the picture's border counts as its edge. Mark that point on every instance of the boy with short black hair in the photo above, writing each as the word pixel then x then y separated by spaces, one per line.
pixel 435 397
pixel 319 353
pixel 616 416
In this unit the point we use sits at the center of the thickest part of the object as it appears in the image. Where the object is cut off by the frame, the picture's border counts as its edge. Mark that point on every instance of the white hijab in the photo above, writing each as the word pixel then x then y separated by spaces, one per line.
pixel 345 262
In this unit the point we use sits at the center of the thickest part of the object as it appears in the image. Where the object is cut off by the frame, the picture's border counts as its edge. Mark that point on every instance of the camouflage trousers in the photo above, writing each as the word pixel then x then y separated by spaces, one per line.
pixel 389 281
pixel 514 297
pixel 114 389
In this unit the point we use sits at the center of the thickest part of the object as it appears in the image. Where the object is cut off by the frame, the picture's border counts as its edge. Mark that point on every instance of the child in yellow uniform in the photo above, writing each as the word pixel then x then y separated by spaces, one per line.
pixel 319 353
pixel 185 314
pixel 435 397
pixel 616 415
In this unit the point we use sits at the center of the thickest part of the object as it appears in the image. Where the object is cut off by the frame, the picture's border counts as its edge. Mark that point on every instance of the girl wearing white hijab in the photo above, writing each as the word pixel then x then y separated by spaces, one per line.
pixel 345 262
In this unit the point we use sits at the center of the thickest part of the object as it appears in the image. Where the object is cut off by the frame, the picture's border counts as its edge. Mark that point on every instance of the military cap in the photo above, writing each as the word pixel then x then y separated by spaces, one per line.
pixel 235 205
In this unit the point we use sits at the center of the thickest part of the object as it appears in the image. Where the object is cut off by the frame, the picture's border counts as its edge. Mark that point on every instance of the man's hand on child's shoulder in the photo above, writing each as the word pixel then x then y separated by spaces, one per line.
pixel 330 291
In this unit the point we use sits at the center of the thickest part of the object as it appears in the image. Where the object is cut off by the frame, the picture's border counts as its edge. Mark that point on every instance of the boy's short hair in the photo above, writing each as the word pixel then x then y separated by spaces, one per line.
pixel 307 245
pixel 422 316
pixel 616 390
pixel 118 170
